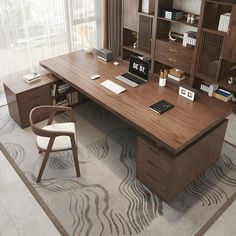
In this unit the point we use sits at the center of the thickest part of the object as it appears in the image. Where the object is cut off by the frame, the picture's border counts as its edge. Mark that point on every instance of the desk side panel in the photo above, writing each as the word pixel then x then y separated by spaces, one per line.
pixel 193 162
pixel 12 105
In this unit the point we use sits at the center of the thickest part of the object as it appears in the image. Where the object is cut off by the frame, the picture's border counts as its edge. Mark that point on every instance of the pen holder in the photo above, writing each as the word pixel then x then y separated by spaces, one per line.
pixel 162 82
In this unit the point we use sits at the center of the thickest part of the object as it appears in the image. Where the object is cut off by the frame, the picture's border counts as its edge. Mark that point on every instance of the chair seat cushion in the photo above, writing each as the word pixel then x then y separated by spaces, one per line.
pixel 60 142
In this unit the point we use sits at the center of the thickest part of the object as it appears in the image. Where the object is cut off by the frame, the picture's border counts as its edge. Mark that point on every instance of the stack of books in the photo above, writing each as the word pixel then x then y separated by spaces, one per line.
pixel 173 14
pixel 189 39
pixel 31 78
pixel 62 102
pixel 223 95
pixel 224 22
pixel 176 74
pixel 62 88
pixel 73 98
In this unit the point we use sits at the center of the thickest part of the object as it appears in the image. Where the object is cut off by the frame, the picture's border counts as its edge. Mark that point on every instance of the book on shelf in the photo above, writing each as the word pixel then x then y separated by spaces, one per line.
pixel 224 22
pixel 54 88
pixel 73 98
pixel 176 78
pixel 189 39
pixel 62 102
pixel 223 95
pixel 62 88
pixel 208 88
pixel 173 14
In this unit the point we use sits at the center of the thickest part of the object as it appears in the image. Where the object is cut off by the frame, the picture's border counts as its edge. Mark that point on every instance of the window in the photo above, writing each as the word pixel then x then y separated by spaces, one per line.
pixel 33 30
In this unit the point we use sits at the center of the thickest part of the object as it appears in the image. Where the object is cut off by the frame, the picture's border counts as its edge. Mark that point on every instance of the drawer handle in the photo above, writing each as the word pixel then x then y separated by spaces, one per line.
pixel 154 150
pixel 173 50
pixel 153 164
pixel 171 60
pixel 153 178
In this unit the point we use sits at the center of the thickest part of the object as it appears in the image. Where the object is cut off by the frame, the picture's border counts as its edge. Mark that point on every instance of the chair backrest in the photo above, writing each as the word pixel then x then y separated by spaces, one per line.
pixel 33 118
pixel 50 112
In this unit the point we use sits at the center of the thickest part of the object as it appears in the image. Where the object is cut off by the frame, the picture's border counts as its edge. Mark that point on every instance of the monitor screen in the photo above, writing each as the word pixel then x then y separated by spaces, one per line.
pixel 139 67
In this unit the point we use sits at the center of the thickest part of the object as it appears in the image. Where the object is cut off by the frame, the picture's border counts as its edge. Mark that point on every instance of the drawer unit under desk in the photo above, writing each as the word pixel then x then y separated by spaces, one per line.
pixel 30 99
pixel 153 169
pixel 173 55
pixel 166 174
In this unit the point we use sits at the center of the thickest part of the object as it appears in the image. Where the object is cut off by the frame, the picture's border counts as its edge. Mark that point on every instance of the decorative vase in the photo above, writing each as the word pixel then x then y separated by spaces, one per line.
pixel 88 47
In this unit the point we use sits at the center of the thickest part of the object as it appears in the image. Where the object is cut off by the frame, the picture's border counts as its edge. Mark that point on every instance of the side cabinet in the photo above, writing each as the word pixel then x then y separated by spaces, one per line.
pixel 22 97
pixel 166 174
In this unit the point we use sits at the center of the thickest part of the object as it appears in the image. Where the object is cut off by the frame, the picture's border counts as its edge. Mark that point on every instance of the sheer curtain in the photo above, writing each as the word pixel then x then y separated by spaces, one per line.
pixel 33 30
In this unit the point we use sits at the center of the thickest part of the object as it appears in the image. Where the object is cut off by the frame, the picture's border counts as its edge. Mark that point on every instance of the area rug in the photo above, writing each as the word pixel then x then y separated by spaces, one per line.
pixel 230 136
pixel 107 199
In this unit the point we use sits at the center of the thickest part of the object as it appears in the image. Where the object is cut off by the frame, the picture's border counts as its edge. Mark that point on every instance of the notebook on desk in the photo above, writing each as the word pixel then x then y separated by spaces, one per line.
pixel 137 74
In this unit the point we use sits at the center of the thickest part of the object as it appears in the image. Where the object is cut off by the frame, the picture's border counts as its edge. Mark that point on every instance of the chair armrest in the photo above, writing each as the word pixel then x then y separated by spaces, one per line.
pixel 53 133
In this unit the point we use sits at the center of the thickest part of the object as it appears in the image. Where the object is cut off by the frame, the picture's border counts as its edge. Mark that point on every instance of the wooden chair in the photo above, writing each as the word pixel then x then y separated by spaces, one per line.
pixel 54 137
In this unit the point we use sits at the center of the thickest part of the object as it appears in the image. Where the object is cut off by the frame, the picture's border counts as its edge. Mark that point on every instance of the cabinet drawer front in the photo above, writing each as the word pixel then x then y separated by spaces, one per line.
pixel 154 155
pixel 28 107
pixel 152 183
pixel 173 55
pixel 35 94
pixel 161 175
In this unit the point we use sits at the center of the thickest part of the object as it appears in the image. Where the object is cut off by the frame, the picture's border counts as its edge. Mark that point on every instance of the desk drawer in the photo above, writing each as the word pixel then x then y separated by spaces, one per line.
pixel 35 97
pixel 176 56
pixel 155 155
pixel 36 94
pixel 152 182
pixel 153 167
pixel 32 98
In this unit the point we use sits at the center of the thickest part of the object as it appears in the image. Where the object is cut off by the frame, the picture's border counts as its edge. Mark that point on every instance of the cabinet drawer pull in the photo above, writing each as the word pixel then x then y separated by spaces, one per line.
pixel 152 149
pixel 171 60
pixel 173 50
pixel 153 164
pixel 150 176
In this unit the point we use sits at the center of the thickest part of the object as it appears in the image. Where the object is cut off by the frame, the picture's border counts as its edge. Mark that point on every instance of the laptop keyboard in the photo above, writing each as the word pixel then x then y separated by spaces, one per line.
pixel 133 78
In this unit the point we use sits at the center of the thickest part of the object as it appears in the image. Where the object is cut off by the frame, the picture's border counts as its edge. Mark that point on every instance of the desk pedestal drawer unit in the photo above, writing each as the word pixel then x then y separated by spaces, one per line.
pixel 22 97
pixel 166 174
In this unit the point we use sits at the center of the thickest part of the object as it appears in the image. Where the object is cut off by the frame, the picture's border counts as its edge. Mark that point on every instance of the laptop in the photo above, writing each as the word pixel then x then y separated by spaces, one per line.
pixel 137 74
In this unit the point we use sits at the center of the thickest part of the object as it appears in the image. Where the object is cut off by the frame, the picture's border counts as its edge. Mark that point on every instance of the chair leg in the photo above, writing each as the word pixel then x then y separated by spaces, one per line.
pixel 46 156
pixel 75 155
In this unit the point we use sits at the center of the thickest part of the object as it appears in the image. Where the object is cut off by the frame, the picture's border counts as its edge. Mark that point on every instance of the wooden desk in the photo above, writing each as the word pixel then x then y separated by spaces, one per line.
pixel 176 131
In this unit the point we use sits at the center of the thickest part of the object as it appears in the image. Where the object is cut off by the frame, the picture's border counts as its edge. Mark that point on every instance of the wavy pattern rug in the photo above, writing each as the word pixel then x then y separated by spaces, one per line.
pixel 107 199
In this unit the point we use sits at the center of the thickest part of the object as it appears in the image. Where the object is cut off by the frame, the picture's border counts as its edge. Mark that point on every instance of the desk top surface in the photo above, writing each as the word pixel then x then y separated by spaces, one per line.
pixel 175 129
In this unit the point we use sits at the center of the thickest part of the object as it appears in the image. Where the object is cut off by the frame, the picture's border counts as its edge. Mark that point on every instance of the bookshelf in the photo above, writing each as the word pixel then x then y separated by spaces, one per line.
pixel 210 60
pixel 63 94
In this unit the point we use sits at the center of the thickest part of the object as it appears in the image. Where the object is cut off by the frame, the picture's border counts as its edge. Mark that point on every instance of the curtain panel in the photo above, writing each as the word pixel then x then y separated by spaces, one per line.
pixel 114 26
pixel 35 30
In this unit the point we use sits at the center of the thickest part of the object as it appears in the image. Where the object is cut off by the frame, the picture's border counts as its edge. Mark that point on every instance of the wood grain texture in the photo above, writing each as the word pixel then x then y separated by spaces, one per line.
pixel 130 16
pixel 174 130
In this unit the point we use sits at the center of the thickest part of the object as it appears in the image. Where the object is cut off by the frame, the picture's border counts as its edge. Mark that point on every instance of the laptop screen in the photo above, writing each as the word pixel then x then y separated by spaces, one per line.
pixel 139 67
